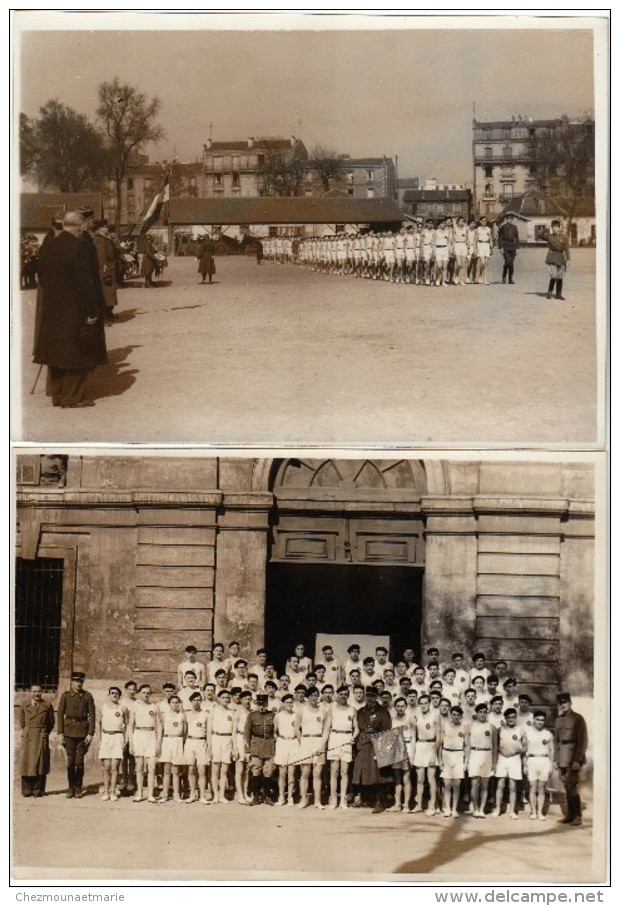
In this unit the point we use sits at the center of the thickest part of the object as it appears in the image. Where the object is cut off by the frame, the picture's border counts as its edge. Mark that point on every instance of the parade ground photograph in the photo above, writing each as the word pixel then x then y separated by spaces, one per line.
pixel 337 231
pixel 310 668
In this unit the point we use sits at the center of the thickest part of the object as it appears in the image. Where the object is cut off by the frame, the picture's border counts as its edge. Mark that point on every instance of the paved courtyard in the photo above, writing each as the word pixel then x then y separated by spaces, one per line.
pixel 85 838
pixel 276 355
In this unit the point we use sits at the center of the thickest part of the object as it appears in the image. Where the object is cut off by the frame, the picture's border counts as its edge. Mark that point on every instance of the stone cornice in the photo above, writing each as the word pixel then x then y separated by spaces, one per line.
pixel 506 505
pixel 62 499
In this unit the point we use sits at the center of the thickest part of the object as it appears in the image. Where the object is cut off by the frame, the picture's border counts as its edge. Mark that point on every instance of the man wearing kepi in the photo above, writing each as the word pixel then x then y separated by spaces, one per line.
pixel 70 339
pixel 571 742
pixel 260 744
pixel 508 241
pixel 557 259
pixel 37 722
pixel 76 728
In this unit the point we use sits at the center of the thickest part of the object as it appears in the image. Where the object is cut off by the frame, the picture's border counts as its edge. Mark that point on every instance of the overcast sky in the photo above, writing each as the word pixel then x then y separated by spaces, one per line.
pixel 405 92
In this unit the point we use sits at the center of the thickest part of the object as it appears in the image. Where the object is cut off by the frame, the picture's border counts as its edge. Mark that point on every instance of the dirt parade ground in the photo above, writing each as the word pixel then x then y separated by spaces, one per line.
pixel 89 838
pixel 278 355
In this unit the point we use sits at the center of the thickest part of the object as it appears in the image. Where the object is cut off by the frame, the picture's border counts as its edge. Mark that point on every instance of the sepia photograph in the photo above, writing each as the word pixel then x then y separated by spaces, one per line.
pixel 350 668
pixel 329 230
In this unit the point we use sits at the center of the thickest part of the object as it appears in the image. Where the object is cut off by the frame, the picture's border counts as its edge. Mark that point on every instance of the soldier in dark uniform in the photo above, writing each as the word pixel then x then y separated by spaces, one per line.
pixel 508 242
pixel 206 261
pixel 373 718
pixel 37 722
pixel 106 258
pixel 557 259
pixel 76 728
pixel 571 742
pixel 260 743
pixel 88 239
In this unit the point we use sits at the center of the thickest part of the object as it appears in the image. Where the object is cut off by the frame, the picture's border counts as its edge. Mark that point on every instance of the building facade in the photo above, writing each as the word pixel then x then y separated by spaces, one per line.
pixel 122 561
pixel 356 177
pixel 436 204
pixel 505 159
pixel 242 168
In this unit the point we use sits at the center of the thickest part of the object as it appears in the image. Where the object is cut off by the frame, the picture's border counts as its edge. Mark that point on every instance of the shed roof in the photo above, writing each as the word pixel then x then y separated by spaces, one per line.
pixel 38 208
pixel 283 210
pixel 535 203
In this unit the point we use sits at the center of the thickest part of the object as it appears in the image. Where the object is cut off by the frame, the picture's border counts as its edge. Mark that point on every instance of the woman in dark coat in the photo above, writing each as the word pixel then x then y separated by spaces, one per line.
pixel 206 261
pixel 71 338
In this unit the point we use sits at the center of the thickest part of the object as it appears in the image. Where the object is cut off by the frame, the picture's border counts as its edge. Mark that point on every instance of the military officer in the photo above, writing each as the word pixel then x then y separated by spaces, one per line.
pixel 508 242
pixel 571 742
pixel 37 722
pixel 260 745
pixel 76 728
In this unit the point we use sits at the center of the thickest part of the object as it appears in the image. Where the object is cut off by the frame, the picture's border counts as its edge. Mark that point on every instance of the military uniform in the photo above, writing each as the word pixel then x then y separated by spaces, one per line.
pixel 76 721
pixel 508 242
pixel 260 742
pixel 571 742
pixel 37 722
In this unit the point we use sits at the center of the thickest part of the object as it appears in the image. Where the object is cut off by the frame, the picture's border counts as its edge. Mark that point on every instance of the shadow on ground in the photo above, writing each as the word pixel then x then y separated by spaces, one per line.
pixel 116 377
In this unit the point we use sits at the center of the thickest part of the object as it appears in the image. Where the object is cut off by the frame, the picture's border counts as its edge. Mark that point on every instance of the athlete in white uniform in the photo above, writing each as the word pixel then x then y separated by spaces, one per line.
pixel 287 749
pixel 353 663
pixel 191 663
pixel 333 672
pixel 311 728
pixel 172 731
pixel 189 689
pixel 454 752
pixel 482 757
pixel 511 745
pixel 221 744
pixel 343 731
pixel 484 249
pixel 402 769
pixel 426 754
pixel 459 240
pixel 426 250
pixel 441 253
pixel 241 764
pixel 113 720
pixel 195 752
pixel 128 764
pixel 538 763
pixel 143 723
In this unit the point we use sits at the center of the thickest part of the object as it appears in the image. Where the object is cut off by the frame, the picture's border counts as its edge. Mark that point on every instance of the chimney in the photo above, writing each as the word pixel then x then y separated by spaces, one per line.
pixel 251 142
pixel 208 144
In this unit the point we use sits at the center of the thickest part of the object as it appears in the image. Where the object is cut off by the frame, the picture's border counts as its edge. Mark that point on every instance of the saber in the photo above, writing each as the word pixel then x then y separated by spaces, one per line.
pixel 36 379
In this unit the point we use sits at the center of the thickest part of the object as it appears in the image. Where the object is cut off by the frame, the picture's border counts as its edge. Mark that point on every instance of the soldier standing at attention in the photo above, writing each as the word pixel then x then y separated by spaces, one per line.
pixel 261 746
pixel 76 728
pixel 508 242
pixel 557 259
pixel 571 735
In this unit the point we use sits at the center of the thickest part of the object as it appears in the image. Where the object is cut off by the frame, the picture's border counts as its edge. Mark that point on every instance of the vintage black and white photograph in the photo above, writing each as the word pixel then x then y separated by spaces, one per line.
pixel 354 230
pixel 312 667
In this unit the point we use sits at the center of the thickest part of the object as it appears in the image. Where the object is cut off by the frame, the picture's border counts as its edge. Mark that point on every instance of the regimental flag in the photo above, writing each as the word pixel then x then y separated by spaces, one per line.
pixel 390 747
pixel 154 210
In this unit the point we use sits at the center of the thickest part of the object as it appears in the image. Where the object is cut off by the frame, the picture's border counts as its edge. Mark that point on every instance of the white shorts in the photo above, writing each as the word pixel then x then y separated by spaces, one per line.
pixel 460 249
pixel 400 256
pixel 221 748
pixel 424 755
pixel 480 763
pixel 307 750
pixel 195 751
pixel 339 748
pixel 483 250
pixel 427 252
pixel 538 767
pixel 389 257
pixel 509 767
pixel 410 254
pixel 111 745
pixel 144 743
pixel 287 752
pixel 172 750
pixel 453 765
pixel 441 255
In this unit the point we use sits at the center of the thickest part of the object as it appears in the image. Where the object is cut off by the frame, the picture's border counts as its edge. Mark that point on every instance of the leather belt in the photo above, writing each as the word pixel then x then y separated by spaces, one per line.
pixel 477 749
pixel 111 732
pixel 453 750
pixel 203 738
pixel 215 733
pixel 152 729
pixel 311 735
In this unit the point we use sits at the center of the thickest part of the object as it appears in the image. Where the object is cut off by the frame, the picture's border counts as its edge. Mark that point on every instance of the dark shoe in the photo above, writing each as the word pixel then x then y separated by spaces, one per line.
pixel 576 822
pixel 549 296
pixel 27 794
pixel 568 820
pixel 37 794
pixel 70 793
pixel 379 807
pixel 80 792
pixel 560 297
pixel 83 405
pixel 512 282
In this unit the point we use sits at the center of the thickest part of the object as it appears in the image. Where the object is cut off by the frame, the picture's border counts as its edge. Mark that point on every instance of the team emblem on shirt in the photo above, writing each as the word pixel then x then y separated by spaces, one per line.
pixel 545 741
pixel 117 714
pixel 199 724
pixel 428 726
pixel 175 723
pixel 514 736
pixel 151 714
pixel 461 734
pixel 487 732
pixel 229 716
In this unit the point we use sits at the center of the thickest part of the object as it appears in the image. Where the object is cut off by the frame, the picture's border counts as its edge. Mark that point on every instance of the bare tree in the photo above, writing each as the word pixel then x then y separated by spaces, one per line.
pixel 564 163
pixel 282 173
pixel 129 120
pixel 62 149
pixel 327 164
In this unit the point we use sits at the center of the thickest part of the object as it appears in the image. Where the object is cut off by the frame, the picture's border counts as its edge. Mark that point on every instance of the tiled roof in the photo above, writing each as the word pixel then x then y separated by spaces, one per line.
pixel 283 210
pixel 38 208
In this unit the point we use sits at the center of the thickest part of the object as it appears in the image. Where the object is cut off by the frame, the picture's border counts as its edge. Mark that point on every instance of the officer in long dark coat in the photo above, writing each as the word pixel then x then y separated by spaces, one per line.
pixel 37 722
pixel 373 718
pixel 206 261
pixel 88 238
pixel 76 728
pixel 260 742
pixel 106 259
pixel 71 339
pixel 571 742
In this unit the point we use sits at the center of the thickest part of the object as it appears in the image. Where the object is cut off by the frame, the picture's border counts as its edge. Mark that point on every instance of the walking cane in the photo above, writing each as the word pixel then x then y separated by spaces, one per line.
pixel 37 378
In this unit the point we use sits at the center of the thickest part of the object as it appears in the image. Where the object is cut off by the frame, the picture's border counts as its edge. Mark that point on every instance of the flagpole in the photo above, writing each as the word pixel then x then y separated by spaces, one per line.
pixel 167 175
